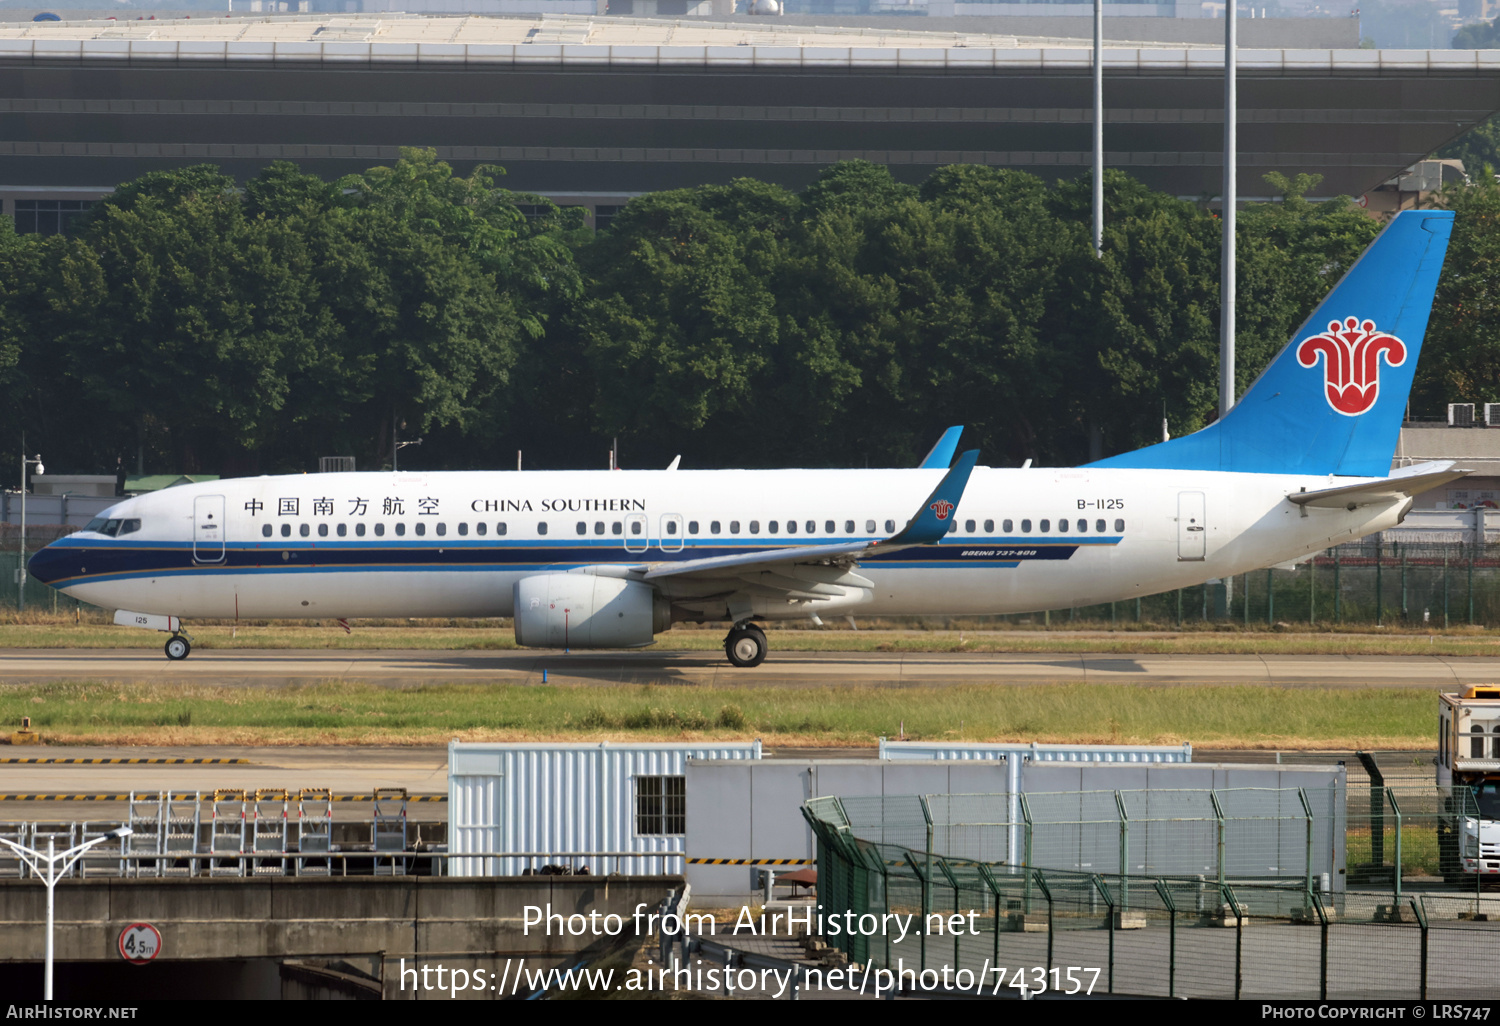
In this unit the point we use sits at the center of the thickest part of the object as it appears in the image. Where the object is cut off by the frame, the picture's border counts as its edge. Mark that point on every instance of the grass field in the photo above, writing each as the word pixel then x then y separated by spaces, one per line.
pixel 357 713
pixel 56 632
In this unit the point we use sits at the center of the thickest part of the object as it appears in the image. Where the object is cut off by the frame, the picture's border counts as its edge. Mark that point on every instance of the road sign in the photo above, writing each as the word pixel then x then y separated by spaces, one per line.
pixel 140 943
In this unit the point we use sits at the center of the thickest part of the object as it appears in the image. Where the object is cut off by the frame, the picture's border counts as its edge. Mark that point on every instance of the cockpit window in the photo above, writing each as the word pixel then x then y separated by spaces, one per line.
pixel 113 527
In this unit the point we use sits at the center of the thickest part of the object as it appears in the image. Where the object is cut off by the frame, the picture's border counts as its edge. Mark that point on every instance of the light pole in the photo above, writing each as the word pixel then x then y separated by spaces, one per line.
pixel 52 875
pixel 396 446
pixel 26 461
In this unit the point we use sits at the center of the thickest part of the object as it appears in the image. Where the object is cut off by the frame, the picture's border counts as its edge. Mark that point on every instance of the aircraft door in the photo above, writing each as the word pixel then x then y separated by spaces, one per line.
pixel 636 536
pixel 208 529
pixel 671 532
pixel 1192 527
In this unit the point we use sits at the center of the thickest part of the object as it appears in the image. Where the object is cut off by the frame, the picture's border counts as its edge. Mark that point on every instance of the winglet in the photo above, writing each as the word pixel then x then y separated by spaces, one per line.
pixel 931 521
pixel 941 454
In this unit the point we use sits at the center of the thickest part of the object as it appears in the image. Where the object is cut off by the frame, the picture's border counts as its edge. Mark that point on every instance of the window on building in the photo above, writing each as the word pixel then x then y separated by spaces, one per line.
pixel 604 215
pixel 1476 743
pixel 661 805
pixel 48 217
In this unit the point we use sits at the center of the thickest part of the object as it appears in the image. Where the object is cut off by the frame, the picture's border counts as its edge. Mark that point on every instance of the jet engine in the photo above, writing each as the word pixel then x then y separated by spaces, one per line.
pixel 587 611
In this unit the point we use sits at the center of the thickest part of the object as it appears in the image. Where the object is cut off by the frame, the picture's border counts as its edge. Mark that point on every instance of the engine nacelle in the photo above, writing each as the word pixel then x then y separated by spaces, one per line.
pixel 585 611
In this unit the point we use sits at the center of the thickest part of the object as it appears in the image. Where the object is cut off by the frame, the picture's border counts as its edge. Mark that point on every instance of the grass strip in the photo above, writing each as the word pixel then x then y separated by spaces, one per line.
pixel 357 713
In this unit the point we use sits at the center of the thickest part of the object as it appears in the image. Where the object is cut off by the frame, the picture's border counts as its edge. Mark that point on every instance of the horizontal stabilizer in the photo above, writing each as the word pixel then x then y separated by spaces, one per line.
pixel 1372 492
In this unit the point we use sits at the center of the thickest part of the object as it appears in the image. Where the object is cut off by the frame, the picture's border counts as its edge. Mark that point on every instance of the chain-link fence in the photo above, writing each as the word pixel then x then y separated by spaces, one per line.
pixel 1228 834
pixel 1155 934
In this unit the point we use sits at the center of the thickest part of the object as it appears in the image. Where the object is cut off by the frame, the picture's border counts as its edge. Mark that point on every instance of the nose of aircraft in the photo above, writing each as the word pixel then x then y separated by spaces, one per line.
pixel 52 563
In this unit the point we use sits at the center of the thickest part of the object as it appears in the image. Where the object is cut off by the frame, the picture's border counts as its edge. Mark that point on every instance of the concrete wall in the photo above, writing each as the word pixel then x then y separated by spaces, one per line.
pixel 461 923
pixel 752 810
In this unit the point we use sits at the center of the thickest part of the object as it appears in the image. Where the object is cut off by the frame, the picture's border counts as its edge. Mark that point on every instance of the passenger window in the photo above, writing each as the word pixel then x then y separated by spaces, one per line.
pixel 421 529
pixel 303 530
pixel 1119 526
pixel 1062 527
pixel 1008 526
pixel 791 527
pixel 322 530
pixel 713 527
pixel 342 530
pixel 692 527
pixel 479 528
pixel 1100 526
pixel 952 526
pixel 265 530
pixel 989 527
pixel 463 530
pixel 500 528
pixel 848 527
pixel 616 527
pixel 359 530
pixel 1083 526
pixel 582 527
pixel 598 527
pixel 286 530
pixel 635 527
pixel 734 527
pixel 671 527
pixel 400 530
pixel 1025 526
pixel 828 527
pixel 442 530
pixel 890 527
pixel 1044 526
pixel 812 527
pixel 969 526
pixel 755 527
pixel 541 528
pixel 869 527
pixel 380 530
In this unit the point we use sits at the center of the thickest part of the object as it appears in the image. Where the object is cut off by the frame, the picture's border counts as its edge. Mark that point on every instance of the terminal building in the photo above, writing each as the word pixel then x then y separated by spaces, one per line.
pixel 590 109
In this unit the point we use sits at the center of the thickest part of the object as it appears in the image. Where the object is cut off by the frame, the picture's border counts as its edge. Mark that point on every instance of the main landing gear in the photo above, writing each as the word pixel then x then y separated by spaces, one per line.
pixel 746 645
pixel 178 647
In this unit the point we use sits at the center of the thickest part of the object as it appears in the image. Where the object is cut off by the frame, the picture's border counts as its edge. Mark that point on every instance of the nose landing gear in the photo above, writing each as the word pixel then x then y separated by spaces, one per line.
pixel 178 647
pixel 746 645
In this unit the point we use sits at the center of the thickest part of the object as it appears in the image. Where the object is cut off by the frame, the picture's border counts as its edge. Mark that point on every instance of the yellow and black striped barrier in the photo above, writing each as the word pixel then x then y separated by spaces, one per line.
pixel 126 797
pixel 752 862
pixel 126 762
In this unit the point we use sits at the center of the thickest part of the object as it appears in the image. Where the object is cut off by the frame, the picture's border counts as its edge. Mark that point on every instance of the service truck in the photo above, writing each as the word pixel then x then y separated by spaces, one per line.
pixel 1468 766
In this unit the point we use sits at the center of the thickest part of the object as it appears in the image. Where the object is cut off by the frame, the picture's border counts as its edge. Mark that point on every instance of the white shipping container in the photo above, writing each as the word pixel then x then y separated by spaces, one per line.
pixel 613 808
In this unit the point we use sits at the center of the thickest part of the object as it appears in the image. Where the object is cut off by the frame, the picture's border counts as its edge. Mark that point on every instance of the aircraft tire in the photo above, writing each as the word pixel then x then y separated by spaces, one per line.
pixel 178 647
pixel 746 646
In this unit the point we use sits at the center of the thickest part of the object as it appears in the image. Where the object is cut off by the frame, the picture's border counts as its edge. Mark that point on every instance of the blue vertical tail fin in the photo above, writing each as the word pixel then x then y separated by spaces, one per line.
pixel 1332 401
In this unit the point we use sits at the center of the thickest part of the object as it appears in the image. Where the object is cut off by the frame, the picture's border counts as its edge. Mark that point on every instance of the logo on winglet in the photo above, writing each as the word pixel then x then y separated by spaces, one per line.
pixel 1351 351
pixel 942 508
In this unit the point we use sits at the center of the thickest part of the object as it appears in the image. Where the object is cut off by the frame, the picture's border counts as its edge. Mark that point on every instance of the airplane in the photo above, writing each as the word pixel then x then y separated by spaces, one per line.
pixel 611 559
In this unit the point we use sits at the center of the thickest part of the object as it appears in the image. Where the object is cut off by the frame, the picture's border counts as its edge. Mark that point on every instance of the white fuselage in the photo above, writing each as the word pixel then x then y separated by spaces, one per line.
pixel 410 545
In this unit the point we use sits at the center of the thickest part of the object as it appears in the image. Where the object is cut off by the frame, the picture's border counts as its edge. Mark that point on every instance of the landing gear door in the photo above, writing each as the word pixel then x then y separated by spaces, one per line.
pixel 208 529
pixel 1192 527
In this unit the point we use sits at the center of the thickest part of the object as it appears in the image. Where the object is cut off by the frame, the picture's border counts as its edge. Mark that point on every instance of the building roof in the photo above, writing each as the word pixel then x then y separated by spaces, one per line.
pixel 156 482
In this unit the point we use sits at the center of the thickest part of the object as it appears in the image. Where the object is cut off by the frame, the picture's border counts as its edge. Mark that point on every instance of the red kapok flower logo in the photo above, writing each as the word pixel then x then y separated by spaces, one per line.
pixel 1351 362
pixel 942 508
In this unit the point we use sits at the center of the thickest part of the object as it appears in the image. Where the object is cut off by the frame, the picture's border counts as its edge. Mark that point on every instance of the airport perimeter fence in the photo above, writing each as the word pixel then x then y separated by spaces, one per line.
pixel 1154 934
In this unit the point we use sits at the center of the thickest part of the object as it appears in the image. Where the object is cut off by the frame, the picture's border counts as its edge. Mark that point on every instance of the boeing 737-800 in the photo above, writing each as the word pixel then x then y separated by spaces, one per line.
pixel 605 559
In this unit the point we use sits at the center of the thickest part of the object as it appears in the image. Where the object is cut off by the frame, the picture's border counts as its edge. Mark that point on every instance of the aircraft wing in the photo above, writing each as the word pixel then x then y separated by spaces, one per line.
pixel 1411 482
pixel 928 525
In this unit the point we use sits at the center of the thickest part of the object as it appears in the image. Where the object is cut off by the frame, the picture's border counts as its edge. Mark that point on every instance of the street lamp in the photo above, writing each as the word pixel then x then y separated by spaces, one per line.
pixel 26 461
pixel 53 874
